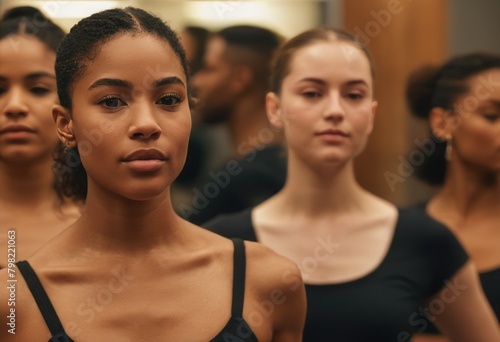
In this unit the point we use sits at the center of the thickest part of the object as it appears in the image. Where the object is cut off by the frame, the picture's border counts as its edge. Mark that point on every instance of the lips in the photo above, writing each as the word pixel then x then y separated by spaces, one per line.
pixel 16 128
pixel 145 154
pixel 331 131
pixel 145 160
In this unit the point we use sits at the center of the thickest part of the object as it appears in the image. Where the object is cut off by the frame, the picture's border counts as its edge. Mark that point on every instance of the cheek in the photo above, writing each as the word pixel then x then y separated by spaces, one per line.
pixel 298 113
pixel 361 120
pixel 475 140
pixel 43 112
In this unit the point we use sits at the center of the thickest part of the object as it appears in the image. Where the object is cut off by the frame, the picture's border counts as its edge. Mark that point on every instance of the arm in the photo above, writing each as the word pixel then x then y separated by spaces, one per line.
pixel 277 293
pixel 467 316
pixel 430 338
pixel 290 316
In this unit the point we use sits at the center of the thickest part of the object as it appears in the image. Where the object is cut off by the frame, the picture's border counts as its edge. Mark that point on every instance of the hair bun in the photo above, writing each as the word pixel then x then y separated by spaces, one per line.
pixel 20 12
pixel 419 90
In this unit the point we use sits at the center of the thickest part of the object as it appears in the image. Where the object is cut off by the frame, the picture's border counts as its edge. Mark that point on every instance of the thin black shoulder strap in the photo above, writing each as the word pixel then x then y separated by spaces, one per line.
pixel 239 266
pixel 41 298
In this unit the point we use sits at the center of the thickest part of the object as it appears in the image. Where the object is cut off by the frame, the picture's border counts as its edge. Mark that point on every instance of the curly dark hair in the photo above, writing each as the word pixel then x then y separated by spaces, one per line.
pixel 76 51
pixel 430 87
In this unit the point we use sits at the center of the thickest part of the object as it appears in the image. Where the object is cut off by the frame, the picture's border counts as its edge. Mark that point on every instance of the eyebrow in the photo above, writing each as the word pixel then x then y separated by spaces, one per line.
pixel 320 81
pixel 496 103
pixel 32 76
pixel 114 82
pixel 40 75
pixel 110 82
pixel 167 81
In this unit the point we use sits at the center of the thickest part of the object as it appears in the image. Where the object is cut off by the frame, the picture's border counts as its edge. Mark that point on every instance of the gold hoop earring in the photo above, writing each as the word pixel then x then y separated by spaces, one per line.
pixel 449 149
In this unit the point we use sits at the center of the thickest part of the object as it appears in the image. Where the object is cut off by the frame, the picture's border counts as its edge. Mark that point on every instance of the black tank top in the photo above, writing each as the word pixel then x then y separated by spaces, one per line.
pixel 236 329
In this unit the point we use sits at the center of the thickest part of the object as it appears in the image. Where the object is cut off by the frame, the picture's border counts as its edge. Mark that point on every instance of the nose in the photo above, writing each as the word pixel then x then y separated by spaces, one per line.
pixel 144 124
pixel 16 105
pixel 334 109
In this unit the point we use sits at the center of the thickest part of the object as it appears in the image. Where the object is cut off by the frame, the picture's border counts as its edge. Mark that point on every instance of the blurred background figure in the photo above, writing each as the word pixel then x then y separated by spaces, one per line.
pixel 231 89
pixel 194 40
pixel 461 102
pixel 30 204
pixel 201 142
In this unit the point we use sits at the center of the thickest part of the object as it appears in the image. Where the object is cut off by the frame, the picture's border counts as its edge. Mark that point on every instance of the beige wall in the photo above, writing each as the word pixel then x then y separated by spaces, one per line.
pixel 400 40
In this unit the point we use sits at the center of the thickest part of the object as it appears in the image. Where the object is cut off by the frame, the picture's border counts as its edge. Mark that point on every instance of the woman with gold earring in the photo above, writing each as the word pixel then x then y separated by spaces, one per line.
pixel 461 101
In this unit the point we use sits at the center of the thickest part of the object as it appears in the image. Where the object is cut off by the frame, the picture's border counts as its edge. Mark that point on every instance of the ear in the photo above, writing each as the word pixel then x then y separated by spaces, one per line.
pixel 374 108
pixel 242 78
pixel 441 123
pixel 273 110
pixel 64 125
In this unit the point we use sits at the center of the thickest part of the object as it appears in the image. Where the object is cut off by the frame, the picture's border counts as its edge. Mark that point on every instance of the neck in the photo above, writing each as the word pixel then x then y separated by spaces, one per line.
pixel 27 186
pixel 467 189
pixel 249 127
pixel 115 224
pixel 322 190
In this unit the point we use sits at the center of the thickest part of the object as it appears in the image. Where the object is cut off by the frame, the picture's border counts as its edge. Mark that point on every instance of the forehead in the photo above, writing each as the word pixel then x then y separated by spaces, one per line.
pixel 24 54
pixel 140 59
pixel 215 49
pixel 334 60
pixel 486 85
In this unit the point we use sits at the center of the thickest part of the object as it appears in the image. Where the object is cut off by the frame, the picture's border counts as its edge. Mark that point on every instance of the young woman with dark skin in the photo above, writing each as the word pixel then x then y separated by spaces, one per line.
pixel 371 270
pixel 461 101
pixel 130 269
pixel 30 207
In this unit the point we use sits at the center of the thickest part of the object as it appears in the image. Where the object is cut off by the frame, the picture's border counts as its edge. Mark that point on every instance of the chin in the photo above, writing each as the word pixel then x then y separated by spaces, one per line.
pixel 21 155
pixel 145 195
pixel 145 191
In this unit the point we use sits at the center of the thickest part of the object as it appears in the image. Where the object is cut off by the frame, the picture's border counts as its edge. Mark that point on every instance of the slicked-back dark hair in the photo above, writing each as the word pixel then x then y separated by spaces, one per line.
pixel 284 56
pixel 200 37
pixel 80 47
pixel 30 21
pixel 429 87
pixel 257 45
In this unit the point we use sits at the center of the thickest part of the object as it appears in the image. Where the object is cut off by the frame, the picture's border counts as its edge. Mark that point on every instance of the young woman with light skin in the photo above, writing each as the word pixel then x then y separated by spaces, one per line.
pixel 29 203
pixel 368 266
pixel 130 269
pixel 461 100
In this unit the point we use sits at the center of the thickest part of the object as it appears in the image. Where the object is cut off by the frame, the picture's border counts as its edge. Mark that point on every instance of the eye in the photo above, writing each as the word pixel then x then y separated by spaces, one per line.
pixel 39 91
pixel 355 96
pixel 491 117
pixel 111 102
pixel 170 100
pixel 311 94
pixel 2 91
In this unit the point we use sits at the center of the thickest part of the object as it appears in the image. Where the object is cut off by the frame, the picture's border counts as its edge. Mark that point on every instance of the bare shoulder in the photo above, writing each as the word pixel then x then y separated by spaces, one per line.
pixel 267 262
pixel 272 273
pixel 276 284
